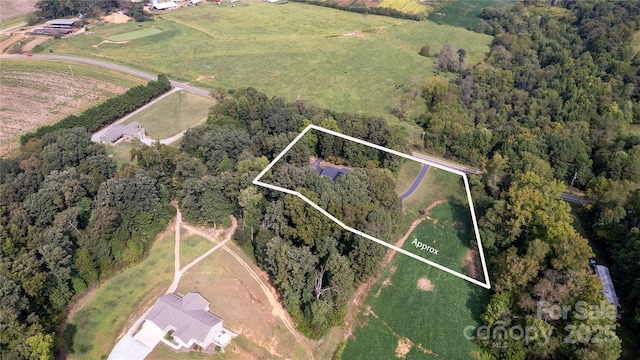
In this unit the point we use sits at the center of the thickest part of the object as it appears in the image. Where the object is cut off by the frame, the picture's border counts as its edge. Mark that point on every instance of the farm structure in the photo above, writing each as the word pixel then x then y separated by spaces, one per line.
pixel 119 131
pixel 57 27
pixel 188 321
pixel 168 5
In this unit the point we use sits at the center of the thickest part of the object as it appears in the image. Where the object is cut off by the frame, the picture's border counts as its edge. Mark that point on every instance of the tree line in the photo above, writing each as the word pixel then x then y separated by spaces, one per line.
pixel 108 111
pixel 68 220
pixel 552 105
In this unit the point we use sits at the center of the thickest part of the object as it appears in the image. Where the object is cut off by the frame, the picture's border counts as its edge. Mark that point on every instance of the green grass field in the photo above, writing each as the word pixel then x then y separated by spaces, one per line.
pixel 450 232
pixel 437 185
pixel 464 13
pixel 133 35
pixel 301 55
pixel 406 176
pixel 120 153
pixel 121 298
pixel 173 114
pixel 433 320
pixel 193 246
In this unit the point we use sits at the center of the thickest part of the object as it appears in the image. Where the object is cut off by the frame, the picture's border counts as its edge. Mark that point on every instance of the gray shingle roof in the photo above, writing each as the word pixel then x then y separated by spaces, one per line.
pixel 119 130
pixel 333 172
pixel 188 315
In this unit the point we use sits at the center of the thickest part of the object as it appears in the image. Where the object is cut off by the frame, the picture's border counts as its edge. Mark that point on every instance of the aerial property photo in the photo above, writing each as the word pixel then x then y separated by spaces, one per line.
pixel 322 180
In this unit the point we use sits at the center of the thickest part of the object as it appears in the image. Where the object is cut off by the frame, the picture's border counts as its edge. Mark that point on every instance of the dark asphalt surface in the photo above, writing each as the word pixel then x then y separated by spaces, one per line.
pixel 416 182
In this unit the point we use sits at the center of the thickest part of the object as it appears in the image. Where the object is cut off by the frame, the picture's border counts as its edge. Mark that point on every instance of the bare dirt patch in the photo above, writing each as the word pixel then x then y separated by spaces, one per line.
pixel 471 266
pixel 32 44
pixel 404 346
pixel 116 18
pixel 31 99
pixel 354 33
pixel 425 284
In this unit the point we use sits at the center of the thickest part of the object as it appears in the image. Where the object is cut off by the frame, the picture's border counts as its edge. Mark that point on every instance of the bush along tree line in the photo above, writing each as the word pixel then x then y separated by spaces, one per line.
pixel 107 112
pixel 552 105
pixel 68 219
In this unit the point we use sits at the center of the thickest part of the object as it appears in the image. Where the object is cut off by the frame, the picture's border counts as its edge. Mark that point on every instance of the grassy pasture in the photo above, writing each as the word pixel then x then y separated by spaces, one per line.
pixel 133 35
pixel 449 231
pixel 407 174
pixel 464 13
pixel 304 54
pixel 432 320
pixel 173 114
pixel 193 246
pixel 121 298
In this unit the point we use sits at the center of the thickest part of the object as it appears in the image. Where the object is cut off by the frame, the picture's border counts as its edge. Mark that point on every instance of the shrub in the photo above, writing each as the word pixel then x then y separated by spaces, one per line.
pixel 425 51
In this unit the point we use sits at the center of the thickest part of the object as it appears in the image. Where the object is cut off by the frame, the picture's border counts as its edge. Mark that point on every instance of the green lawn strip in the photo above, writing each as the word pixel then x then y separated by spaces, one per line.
pixel 120 153
pixel 407 175
pixel 449 232
pixel 105 314
pixel 173 114
pixel 13 21
pixel 435 319
pixel 193 246
pixel 302 55
pixel 41 67
pixel 133 35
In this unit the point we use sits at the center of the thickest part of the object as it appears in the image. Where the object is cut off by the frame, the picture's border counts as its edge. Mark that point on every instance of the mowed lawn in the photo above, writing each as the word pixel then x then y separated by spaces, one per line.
pixel 120 153
pixel 334 59
pixel 121 299
pixel 448 229
pixel 174 114
pixel 433 321
pixel 193 246
pixel 238 299
pixel 137 34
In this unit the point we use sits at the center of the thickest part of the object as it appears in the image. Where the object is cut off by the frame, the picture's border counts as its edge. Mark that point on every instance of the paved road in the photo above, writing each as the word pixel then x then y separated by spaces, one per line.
pixel 565 196
pixel 108 65
pixel 416 182
pixel 447 164
pixel 7 29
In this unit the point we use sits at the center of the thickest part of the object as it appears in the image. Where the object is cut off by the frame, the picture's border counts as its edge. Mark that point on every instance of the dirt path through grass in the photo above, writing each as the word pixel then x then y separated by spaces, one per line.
pixel 363 290
pixel 278 310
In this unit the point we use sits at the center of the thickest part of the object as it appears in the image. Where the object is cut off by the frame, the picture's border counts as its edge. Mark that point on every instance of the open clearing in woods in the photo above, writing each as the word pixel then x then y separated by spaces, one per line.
pixel 39 92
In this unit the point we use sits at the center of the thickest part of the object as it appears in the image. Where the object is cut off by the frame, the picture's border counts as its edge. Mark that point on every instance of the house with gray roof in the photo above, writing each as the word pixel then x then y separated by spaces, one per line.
pixel 129 132
pixel 189 320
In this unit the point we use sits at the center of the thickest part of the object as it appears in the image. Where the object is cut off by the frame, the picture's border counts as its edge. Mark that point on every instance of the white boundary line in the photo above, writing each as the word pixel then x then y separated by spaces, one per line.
pixel 256 181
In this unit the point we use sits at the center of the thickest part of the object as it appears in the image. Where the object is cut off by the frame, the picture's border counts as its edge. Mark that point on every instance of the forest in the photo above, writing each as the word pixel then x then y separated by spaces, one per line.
pixel 552 106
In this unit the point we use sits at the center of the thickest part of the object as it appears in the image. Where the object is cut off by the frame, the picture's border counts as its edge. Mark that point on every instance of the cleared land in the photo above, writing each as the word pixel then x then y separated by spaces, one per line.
pixel 192 246
pixel 464 13
pixel 121 153
pixel 15 8
pixel 173 114
pixel 401 320
pixel 238 299
pixel 38 92
pixel 137 34
pixel 96 327
pixel 304 54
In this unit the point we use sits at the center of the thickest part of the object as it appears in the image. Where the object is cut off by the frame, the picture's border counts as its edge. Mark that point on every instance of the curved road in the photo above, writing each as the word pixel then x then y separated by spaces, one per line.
pixel 466 169
pixel 416 182
pixel 108 65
